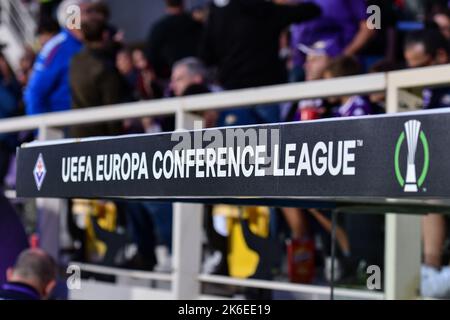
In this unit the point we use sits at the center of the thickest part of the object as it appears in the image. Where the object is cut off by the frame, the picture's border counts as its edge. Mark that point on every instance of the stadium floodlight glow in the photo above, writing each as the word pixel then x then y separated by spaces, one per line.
pixel 412 130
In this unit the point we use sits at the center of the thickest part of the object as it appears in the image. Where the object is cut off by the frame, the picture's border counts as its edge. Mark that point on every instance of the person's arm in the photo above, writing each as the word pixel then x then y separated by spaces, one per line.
pixel 360 40
pixel 434 233
pixel 40 86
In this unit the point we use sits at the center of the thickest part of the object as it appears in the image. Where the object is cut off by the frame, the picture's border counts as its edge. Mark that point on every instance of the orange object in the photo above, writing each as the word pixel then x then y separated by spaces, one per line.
pixel 301 260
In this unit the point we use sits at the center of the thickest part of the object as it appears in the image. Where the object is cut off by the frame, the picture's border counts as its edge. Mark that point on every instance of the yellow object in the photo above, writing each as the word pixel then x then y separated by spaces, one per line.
pixel 243 261
pixel 105 213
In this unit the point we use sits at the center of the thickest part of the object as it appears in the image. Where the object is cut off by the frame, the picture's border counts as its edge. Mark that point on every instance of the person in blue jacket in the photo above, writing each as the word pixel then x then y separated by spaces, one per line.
pixel 48 89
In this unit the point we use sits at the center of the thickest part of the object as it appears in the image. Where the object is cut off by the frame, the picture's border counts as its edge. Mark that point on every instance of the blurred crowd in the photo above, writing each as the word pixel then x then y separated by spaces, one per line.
pixel 227 45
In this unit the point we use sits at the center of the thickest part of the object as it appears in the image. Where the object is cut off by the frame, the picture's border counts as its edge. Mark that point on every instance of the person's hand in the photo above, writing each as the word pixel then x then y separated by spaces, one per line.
pixel 119 37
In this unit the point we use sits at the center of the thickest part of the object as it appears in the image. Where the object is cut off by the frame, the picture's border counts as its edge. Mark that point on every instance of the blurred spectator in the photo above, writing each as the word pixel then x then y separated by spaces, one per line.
pixel 150 223
pixel 9 100
pixel 342 21
pixel 135 68
pixel 427 48
pixel 46 30
pixel 384 44
pixel 100 11
pixel 318 57
pixel 323 62
pixel 124 64
pixel 47 8
pixel 200 13
pixel 94 79
pixel 361 239
pixel 246 52
pixel 13 239
pixel 33 277
pixel 147 82
pixel 190 77
pixel 378 99
pixel 48 89
pixel 186 75
pixel 349 106
pixel 442 19
pixel 25 67
pixel 172 38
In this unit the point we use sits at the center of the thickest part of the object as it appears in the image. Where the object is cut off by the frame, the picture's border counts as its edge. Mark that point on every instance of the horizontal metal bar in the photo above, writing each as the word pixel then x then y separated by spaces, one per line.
pixel 250 283
pixel 421 77
pixel 229 99
pixel 287 92
pixel 222 100
pixel 126 273
pixel 90 115
pixel 290 287
pixel 99 290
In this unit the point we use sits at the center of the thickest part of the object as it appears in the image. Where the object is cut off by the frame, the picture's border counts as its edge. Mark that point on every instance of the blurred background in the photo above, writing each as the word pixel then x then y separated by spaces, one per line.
pixel 130 51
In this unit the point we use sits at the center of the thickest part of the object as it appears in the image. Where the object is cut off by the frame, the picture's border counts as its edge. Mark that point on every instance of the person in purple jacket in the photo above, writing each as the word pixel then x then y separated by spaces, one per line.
pixel 318 58
pixel 343 20
pixel 348 106
pixel 13 239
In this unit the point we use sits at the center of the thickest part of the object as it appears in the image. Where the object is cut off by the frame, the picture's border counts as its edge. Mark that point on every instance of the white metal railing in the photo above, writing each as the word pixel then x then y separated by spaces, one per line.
pixel 402 271
pixel 222 100
pixel 167 277
pixel 292 287
pixel 223 280
pixel 247 97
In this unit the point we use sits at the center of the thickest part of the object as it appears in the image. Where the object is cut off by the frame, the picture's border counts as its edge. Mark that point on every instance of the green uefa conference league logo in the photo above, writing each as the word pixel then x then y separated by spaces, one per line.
pixel 413 135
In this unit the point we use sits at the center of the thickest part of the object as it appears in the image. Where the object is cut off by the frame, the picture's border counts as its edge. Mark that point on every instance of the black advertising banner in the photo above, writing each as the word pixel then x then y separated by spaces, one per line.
pixel 401 156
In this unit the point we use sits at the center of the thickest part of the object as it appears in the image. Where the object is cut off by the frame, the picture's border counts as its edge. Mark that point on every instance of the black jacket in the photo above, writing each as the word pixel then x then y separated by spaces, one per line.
pixel 242 40
pixel 172 38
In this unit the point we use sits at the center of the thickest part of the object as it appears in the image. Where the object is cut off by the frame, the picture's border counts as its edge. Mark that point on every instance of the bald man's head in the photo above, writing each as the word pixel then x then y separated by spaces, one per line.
pixel 36 268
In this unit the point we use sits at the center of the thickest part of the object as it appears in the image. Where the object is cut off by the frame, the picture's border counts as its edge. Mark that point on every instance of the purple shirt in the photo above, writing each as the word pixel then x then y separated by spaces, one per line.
pixel 340 21
pixel 354 107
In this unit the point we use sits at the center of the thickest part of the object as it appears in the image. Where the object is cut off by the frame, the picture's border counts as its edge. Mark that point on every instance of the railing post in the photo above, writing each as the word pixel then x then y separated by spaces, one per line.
pixel 402 239
pixel 51 212
pixel 187 236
